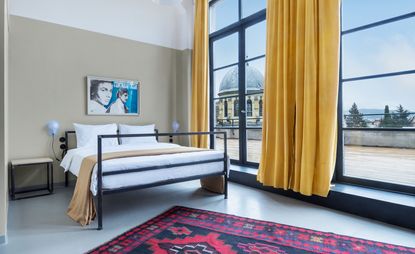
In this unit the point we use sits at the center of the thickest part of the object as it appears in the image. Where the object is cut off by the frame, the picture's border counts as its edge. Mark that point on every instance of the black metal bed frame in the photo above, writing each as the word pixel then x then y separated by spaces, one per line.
pixel 102 191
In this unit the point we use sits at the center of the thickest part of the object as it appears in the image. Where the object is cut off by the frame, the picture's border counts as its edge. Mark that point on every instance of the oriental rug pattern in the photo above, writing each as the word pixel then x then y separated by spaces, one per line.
pixel 194 231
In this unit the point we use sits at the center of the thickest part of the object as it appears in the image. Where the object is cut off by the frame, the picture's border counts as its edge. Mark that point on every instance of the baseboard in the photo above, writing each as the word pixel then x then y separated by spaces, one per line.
pixel 3 239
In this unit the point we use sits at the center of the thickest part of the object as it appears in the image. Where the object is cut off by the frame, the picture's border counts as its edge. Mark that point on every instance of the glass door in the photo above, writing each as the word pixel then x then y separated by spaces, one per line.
pixel 224 92
pixel 237 63
pixel 254 68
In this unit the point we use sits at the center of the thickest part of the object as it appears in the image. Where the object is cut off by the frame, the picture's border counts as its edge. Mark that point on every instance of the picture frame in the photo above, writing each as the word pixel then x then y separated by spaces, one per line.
pixel 112 96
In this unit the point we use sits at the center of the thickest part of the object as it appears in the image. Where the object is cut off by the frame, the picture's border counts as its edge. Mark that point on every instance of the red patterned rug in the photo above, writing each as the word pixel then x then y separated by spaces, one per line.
pixel 194 231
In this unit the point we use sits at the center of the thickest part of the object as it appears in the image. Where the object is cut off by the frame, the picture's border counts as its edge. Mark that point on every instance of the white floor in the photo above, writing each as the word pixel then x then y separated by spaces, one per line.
pixel 40 225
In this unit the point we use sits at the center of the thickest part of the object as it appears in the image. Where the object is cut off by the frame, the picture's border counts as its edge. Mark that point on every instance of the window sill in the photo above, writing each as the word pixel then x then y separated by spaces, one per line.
pixel 389 207
pixel 380 195
pixel 244 169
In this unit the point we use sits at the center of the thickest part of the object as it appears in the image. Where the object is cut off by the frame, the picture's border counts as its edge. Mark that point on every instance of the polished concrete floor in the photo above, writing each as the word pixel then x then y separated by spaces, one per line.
pixel 39 225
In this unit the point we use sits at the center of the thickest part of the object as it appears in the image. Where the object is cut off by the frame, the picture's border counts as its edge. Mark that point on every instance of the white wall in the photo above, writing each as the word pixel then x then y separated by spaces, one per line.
pixel 140 20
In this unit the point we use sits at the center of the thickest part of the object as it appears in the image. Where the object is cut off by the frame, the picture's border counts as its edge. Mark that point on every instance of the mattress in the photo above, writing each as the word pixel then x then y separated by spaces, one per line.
pixel 73 159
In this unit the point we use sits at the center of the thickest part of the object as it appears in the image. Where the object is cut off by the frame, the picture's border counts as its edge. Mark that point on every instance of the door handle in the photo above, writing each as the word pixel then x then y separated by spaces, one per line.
pixel 243 111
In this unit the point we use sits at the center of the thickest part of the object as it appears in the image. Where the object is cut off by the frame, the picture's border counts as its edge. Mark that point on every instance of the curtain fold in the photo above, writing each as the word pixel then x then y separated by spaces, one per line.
pixel 300 97
pixel 200 69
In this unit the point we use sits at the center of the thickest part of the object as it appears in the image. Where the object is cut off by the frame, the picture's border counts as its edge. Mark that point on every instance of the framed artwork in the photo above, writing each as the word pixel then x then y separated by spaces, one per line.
pixel 108 96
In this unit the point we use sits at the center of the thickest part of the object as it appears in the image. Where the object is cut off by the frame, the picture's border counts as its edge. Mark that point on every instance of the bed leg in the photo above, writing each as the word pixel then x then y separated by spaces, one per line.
pixel 99 211
pixel 66 179
pixel 99 174
pixel 226 186
pixel 225 164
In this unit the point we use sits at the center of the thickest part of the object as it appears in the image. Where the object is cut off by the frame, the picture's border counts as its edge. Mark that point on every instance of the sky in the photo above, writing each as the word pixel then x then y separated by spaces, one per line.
pixel 225 50
pixel 383 49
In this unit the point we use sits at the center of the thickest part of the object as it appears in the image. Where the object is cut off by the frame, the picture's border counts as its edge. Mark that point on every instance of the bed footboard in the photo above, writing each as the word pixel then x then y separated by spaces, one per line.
pixel 101 192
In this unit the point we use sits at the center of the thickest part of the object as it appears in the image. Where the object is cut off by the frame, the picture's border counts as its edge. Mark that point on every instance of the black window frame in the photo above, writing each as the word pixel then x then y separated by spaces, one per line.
pixel 239 28
pixel 339 171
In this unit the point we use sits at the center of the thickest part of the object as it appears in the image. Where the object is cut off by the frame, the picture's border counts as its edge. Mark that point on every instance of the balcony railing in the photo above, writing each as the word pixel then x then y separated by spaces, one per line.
pixel 234 122
pixel 380 120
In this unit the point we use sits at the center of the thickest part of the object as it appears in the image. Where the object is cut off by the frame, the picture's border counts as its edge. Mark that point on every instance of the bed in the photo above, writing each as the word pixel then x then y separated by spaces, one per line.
pixel 132 173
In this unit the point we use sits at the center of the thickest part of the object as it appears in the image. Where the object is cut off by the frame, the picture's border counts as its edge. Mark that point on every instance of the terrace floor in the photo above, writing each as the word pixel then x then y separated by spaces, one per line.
pixel 393 165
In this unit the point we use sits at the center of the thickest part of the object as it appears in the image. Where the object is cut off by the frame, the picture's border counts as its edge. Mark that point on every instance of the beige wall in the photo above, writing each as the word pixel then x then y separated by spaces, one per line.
pixel 183 92
pixel 48 66
pixel 3 118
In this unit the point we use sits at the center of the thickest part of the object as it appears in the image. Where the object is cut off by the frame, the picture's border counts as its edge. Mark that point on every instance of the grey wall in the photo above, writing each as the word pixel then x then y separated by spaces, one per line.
pixel 3 117
pixel 48 66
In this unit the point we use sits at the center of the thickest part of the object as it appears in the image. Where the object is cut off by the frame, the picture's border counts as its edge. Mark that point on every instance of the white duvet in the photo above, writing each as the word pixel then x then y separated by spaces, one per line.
pixel 73 159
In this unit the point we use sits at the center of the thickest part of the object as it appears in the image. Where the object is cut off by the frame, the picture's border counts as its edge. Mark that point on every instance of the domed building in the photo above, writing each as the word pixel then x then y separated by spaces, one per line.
pixel 227 109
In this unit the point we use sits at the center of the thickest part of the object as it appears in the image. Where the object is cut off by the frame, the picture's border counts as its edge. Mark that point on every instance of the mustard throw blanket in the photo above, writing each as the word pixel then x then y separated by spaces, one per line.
pixel 82 208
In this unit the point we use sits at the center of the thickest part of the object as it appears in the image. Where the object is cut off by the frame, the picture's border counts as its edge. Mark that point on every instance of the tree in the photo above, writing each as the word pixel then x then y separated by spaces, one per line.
pixel 355 118
pixel 402 117
pixel 387 120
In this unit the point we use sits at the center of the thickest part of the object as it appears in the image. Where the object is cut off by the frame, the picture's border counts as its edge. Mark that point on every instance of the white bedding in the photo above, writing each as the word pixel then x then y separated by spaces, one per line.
pixel 73 159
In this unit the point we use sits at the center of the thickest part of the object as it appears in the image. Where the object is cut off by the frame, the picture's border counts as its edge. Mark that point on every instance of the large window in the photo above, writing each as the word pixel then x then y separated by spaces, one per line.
pixel 377 94
pixel 237 63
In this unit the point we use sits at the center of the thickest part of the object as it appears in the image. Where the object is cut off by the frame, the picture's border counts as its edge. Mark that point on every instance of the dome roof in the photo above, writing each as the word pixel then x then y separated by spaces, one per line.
pixel 255 80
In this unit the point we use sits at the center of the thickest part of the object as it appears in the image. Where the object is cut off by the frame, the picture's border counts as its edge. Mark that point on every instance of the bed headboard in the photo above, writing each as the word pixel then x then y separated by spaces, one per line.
pixel 67 141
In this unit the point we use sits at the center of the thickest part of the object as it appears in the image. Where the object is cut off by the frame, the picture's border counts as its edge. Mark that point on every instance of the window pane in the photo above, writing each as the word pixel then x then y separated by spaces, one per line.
pixel 255 37
pixel 233 143
pixel 226 112
pixel 254 145
pixel 225 51
pixel 254 110
pixel 223 13
pixel 250 7
pixel 377 102
pixel 254 76
pixel 362 12
pixel 254 83
pixel 383 49
pixel 226 82
pixel 254 113
pixel 386 156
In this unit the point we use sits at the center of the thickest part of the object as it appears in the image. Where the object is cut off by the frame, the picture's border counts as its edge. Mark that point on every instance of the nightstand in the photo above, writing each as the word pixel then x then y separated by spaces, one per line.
pixel 27 163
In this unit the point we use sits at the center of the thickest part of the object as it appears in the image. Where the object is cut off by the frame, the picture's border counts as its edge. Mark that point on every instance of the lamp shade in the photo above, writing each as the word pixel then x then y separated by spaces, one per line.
pixel 53 127
pixel 175 126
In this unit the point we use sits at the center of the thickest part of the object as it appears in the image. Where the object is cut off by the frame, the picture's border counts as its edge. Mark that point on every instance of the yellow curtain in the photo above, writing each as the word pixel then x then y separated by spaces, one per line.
pixel 200 97
pixel 300 98
pixel 200 68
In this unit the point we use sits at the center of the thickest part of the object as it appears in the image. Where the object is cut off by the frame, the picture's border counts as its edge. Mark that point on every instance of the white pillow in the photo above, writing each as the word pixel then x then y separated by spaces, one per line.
pixel 136 129
pixel 86 135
